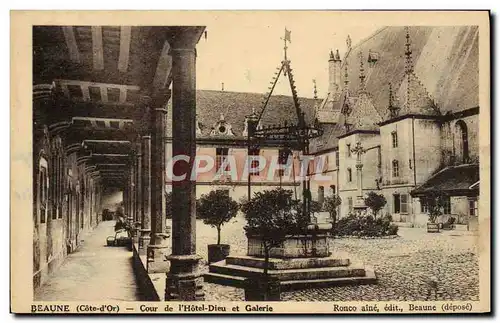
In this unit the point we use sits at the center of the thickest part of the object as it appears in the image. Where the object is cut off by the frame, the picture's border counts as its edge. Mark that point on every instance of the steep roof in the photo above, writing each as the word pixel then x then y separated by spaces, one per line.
pixel 455 180
pixel 445 62
pixel 445 73
pixel 235 106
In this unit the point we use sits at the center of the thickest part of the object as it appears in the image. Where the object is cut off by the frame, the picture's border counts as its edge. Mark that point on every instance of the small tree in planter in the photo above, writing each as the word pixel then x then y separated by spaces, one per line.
pixel 217 208
pixel 272 215
pixel 331 205
pixel 435 201
pixel 375 202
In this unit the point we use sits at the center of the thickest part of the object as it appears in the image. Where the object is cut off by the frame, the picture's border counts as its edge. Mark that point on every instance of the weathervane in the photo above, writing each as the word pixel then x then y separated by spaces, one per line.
pixel 287 38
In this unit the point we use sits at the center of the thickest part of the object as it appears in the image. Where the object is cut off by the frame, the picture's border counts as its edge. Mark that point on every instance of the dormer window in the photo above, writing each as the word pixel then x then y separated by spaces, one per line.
pixel 373 57
pixel 222 127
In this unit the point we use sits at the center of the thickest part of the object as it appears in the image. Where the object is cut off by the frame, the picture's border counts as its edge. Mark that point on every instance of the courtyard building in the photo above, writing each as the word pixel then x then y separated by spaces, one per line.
pixel 418 130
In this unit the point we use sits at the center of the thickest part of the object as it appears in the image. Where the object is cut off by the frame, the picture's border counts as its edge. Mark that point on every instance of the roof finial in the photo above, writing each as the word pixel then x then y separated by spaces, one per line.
pixel 393 109
pixel 331 55
pixel 337 55
pixel 348 43
pixel 315 90
pixel 408 52
pixel 362 84
pixel 222 86
pixel 346 75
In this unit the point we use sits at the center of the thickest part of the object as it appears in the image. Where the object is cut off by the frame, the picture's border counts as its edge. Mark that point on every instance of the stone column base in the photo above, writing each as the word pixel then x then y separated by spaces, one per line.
pixel 144 239
pixel 184 282
pixel 157 258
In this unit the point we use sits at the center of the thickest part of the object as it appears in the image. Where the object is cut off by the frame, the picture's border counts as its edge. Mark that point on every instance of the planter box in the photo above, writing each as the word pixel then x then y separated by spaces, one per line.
pixel 218 252
pixel 295 246
pixel 433 227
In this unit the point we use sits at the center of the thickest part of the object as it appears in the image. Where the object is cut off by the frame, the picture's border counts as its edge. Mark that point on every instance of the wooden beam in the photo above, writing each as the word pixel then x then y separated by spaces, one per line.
pixel 97 48
pixel 69 36
pixel 125 35
pixel 163 68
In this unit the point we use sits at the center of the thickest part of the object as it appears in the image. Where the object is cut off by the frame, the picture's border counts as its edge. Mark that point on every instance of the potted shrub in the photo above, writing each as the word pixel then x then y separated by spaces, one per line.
pixel 375 202
pixel 435 201
pixel 272 215
pixel 217 208
pixel 331 205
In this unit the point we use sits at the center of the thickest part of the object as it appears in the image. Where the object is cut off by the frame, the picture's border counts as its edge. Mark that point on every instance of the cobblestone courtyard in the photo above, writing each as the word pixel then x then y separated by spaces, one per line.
pixel 406 266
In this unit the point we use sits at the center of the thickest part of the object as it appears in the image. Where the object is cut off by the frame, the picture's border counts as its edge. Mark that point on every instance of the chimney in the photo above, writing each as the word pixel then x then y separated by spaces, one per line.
pixel 334 70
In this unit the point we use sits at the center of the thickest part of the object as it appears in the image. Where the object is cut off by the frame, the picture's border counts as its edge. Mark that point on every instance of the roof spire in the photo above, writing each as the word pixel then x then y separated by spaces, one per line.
pixel 337 55
pixel 393 109
pixel 315 90
pixel 331 55
pixel 346 75
pixel 362 84
pixel 408 52
pixel 222 86
pixel 408 70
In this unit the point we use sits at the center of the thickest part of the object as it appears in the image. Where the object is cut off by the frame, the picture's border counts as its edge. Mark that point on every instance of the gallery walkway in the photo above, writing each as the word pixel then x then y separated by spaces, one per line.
pixel 94 272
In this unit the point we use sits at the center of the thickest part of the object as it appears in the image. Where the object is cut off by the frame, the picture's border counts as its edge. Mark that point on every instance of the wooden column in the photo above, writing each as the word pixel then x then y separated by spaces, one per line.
pixel 183 281
pixel 146 194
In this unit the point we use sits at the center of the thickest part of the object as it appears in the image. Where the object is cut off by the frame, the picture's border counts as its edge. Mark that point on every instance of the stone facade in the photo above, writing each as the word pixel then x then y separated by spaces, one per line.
pixel 411 126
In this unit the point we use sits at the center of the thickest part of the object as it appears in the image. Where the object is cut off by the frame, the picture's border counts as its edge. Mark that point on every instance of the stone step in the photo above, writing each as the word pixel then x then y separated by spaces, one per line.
pixel 226 280
pixel 283 264
pixel 289 274
pixel 290 285
pixel 369 278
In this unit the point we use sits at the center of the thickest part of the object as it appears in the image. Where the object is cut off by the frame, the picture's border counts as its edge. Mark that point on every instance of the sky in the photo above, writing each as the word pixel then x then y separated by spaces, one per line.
pixel 243 52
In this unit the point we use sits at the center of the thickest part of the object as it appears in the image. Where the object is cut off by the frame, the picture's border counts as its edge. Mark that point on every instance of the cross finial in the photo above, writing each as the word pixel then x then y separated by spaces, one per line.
pixel 358 150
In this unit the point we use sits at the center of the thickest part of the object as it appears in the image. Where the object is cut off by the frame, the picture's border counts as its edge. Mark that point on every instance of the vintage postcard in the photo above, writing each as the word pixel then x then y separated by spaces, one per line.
pixel 236 162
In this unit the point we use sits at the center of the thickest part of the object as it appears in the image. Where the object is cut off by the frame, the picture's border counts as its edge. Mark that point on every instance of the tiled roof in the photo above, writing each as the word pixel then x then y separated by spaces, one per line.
pixel 445 61
pixel 454 180
pixel 235 106
pixel 445 77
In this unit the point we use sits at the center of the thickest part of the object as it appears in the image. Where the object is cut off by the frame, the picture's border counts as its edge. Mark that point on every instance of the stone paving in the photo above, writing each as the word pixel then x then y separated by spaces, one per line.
pixel 94 272
pixel 414 266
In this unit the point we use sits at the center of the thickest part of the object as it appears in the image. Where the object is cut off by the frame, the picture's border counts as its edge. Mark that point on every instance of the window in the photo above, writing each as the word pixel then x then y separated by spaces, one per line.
pixel 400 203
pixel 326 164
pixel 321 194
pixel 461 142
pixel 395 168
pixel 255 162
pixel 404 203
pixel 349 175
pixel 472 207
pixel 334 189
pixel 283 155
pixel 348 150
pixel 220 157
pixel 394 136
pixel 424 208
pixel 337 159
pixel 446 205
pixel 349 203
